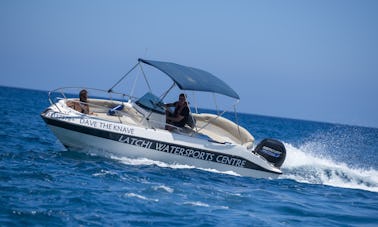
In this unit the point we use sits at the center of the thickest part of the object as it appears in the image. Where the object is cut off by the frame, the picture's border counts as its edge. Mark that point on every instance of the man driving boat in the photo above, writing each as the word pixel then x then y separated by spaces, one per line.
pixel 181 113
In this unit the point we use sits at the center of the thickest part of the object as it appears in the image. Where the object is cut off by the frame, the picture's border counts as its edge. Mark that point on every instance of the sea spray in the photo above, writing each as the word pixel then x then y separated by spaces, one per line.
pixel 304 165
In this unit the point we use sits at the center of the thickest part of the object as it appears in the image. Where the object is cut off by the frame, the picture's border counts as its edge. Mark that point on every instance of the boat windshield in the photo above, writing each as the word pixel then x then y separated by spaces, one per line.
pixel 151 102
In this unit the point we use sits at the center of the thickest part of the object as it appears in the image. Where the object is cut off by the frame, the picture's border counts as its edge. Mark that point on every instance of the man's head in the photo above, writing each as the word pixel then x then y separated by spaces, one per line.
pixel 83 95
pixel 182 98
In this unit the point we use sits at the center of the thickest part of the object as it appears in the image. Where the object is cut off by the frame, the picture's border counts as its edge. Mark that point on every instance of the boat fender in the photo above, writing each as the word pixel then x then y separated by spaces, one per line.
pixel 113 111
pixel 272 150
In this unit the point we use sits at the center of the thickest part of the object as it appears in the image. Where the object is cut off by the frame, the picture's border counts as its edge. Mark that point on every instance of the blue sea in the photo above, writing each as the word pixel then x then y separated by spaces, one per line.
pixel 330 178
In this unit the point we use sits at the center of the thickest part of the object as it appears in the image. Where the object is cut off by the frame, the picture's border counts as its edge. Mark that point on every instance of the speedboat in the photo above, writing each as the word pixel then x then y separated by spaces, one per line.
pixel 136 127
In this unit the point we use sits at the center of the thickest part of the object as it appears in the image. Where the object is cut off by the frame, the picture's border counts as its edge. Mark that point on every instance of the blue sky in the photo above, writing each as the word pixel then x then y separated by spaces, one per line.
pixel 314 60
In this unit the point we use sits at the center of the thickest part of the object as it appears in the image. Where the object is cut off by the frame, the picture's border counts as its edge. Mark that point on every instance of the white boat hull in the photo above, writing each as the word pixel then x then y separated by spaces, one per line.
pixel 111 138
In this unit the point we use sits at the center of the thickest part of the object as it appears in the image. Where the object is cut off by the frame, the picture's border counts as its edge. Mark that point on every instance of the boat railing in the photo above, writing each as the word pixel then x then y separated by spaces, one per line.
pixel 93 92
pixel 72 93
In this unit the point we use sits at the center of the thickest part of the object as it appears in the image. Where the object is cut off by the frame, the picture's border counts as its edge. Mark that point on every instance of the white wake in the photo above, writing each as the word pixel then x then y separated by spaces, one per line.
pixel 303 165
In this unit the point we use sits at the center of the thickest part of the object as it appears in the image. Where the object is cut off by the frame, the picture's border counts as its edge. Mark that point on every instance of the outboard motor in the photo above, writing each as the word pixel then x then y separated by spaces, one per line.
pixel 272 150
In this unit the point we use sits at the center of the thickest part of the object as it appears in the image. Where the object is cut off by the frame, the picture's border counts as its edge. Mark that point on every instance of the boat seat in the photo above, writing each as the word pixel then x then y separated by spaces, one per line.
pixel 223 130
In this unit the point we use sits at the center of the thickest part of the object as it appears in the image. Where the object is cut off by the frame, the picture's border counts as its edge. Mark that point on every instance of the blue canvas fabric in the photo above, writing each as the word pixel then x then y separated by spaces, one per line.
pixel 188 78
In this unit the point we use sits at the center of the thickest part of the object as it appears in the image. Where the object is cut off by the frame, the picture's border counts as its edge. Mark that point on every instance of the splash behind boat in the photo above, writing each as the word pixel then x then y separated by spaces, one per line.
pixel 136 127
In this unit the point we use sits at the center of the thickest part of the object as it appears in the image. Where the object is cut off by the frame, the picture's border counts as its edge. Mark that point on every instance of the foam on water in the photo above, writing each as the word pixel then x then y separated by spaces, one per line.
pixel 164 188
pixel 197 203
pixel 134 195
pixel 146 161
pixel 303 164
pixel 104 173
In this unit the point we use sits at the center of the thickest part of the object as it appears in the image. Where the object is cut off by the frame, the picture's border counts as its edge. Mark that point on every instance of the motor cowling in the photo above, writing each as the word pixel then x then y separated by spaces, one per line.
pixel 272 150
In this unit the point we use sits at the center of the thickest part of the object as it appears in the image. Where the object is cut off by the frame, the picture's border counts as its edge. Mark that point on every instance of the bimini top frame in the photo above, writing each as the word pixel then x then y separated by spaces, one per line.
pixel 188 78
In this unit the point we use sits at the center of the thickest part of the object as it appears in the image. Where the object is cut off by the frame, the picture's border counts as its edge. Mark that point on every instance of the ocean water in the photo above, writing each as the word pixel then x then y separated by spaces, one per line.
pixel 330 178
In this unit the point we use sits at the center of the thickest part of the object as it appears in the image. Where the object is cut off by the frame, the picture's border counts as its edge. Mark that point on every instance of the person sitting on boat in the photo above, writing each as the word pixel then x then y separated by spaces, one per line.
pixel 82 105
pixel 180 116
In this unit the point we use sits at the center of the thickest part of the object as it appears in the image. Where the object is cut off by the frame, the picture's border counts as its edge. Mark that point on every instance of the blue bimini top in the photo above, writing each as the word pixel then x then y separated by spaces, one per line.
pixel 188 78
